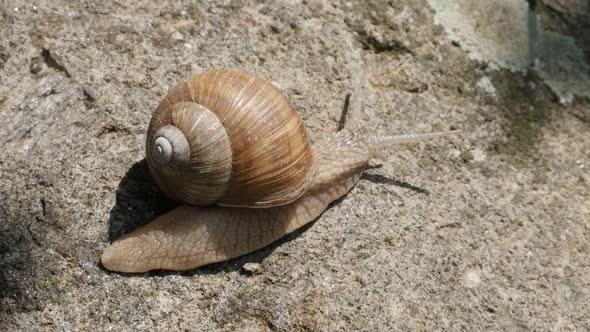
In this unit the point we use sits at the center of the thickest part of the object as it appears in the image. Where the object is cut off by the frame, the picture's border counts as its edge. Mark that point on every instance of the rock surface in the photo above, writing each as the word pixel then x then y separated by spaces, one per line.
pixel 488 231
pixel 514 35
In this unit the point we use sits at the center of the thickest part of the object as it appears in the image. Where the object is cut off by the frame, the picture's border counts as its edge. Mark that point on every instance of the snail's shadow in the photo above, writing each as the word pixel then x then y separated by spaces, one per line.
pixel 376 178
pixel 139 200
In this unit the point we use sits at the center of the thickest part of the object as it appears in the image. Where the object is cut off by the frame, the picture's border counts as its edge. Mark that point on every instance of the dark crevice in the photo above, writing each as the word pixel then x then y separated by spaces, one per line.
pixel 342 121
pixel 450 225
pixel 379 46
pixel 532 4
pixel 52 63
pixel 89 99
pixel 44 207
pixel 112 129
pixel 416 88
pixel 489 309
pixel 4 56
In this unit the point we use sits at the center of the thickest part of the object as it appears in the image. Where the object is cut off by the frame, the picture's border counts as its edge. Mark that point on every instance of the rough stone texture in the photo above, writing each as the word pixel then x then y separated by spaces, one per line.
pixel 560 47
pixel 490 231
pixel 567 17
pixel 494 32
pixel 509 34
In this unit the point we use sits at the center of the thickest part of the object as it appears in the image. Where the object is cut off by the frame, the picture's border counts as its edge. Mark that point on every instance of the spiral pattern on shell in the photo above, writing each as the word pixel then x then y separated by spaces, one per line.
pixel 229 138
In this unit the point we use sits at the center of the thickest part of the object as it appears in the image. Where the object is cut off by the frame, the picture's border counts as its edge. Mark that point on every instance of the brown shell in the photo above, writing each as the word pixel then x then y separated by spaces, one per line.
pixel 271 156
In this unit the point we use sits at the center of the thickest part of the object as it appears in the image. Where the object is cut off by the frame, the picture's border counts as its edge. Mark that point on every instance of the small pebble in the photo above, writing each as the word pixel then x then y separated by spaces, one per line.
pixel 177 36
pixel 471 278
pixel 467 156
pixel 486 86
pixel 251 269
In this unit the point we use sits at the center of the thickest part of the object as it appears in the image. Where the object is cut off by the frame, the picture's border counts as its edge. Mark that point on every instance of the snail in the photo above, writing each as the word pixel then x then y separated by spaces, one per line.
pixel 230 147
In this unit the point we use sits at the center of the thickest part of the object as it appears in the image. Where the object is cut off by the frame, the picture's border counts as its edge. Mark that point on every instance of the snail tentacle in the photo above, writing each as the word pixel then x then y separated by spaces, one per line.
pixel 378 142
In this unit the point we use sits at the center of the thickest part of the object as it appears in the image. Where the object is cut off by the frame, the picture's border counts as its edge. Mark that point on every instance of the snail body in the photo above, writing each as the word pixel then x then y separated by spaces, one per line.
pixel 190 236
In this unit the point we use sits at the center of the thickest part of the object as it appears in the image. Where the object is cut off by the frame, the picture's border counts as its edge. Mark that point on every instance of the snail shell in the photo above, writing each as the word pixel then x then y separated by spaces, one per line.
pixel 226 137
